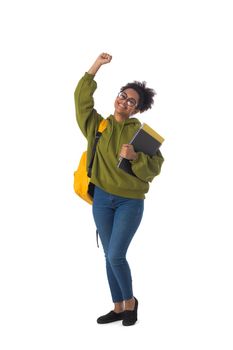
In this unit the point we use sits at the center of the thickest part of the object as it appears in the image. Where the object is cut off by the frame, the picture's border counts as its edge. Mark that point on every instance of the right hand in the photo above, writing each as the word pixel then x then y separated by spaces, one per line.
pixel 103 58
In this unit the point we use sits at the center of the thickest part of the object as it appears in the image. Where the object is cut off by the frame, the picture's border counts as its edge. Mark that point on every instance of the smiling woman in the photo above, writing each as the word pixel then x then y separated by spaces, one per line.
pixel 118 201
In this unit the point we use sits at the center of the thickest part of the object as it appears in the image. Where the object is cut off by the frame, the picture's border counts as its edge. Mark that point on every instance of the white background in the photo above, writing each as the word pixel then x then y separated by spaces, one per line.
pixel 53 283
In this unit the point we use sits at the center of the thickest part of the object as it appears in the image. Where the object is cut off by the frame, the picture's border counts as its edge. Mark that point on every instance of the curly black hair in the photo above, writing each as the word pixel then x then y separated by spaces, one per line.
pixel 145 94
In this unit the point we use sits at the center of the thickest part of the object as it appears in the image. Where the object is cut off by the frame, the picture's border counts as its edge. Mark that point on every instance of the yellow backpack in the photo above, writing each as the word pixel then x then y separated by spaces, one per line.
pixel 82 184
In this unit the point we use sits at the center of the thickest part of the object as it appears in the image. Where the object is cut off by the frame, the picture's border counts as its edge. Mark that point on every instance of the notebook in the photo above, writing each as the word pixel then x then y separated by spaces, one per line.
pixel 145 140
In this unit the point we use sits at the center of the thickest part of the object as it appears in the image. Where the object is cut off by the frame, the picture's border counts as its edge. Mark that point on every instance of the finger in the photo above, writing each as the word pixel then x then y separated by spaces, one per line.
pixel 104 56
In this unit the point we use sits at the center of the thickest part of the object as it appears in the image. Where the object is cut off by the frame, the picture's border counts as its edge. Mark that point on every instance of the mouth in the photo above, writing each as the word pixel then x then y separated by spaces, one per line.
pixel 121 106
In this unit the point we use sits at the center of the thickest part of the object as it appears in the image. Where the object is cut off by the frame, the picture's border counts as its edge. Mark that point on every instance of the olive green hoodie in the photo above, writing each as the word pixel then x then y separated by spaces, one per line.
pixel 105 173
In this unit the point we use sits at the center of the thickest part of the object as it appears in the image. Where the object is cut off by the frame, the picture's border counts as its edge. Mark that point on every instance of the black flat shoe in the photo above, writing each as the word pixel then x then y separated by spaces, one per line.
pixel 112 316
pixel 131 316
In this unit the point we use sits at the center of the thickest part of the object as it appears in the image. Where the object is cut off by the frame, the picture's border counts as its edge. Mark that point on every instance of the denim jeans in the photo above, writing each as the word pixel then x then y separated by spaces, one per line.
pixel 117 219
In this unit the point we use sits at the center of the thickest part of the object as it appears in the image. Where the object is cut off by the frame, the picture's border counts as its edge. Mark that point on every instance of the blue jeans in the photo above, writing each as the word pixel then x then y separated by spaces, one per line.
pixel 117 219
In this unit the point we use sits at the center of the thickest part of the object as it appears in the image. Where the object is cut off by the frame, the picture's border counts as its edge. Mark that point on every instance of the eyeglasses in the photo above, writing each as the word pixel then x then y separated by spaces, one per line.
pixel 131 102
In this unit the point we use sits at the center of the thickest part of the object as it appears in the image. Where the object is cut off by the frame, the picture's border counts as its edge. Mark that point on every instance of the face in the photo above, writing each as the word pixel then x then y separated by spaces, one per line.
pixel 126 103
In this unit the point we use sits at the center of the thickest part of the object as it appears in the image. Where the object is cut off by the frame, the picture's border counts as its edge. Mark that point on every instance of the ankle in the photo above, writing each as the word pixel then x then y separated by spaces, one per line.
pixel 119 307
pixel 130 304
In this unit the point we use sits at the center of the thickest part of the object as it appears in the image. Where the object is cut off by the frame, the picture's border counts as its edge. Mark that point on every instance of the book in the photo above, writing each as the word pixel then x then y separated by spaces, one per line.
pixel 145 140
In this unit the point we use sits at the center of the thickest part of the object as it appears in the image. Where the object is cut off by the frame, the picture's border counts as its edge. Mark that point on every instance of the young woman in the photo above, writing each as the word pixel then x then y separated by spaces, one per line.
pixel 118 201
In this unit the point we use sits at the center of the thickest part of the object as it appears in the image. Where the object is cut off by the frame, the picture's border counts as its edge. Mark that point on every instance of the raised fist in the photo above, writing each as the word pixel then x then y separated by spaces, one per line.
pixel 103 58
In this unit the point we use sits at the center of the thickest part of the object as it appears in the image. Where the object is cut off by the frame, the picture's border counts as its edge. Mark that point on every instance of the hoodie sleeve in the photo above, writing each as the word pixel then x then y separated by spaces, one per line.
pixel 146 167
pixel 87 117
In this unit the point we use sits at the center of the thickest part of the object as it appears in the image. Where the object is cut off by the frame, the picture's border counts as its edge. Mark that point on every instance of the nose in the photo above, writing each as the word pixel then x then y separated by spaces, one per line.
pixel 124 102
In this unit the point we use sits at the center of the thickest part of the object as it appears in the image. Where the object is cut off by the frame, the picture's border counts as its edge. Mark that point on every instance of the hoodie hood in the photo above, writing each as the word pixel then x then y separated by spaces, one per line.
pixel 119 127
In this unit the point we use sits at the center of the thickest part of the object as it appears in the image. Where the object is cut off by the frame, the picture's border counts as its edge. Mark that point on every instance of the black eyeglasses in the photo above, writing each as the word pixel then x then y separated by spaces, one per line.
pixel 131 102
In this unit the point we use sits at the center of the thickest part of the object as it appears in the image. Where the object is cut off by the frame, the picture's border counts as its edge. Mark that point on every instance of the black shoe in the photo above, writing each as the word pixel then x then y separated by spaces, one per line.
pixel 131 316
pixel 112 316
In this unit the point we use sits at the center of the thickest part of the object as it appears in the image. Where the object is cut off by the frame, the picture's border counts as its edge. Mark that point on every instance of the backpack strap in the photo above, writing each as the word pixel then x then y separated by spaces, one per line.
pixel 102 126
